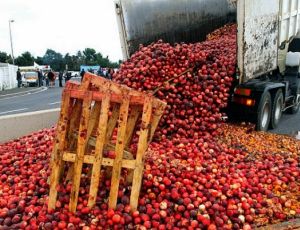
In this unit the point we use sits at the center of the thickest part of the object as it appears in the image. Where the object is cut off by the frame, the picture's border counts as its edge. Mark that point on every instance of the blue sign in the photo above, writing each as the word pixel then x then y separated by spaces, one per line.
pixel 90 68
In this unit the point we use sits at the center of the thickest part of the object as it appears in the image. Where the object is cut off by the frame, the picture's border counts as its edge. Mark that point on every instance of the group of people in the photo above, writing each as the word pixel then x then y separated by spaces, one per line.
pixel 102 72
pixel 49 78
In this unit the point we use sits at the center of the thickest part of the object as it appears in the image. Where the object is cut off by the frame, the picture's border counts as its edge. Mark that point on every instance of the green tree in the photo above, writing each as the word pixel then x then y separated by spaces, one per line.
pixel 4 57
pixel 72 62
pixel 58 62
pixel 10 60
pixel 26 59
pixel 54 59
pixel 39 60
pixel 90 56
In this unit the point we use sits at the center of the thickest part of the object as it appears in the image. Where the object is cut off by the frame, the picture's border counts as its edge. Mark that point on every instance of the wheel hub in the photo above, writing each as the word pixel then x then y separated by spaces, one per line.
pixel 278 109
pixel 266 114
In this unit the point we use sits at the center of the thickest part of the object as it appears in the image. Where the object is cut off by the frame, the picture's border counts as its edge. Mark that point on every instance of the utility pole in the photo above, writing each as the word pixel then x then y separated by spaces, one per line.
pixel 11 42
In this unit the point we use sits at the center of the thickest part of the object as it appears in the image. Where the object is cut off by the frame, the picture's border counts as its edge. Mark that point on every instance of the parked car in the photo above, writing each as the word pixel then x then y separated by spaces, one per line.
pixel 74 74
pixel 30 79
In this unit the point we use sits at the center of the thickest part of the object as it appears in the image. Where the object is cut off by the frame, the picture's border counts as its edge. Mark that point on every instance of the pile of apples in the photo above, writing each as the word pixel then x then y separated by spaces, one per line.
pixel 199 172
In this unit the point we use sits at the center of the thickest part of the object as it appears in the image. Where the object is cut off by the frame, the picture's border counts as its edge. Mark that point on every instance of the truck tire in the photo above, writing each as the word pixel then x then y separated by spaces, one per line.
pixel 264 112
pixel 276 109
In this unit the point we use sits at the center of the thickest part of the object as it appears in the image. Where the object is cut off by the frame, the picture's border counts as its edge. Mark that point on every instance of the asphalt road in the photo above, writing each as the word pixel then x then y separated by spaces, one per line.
pixel 30 99
pixel 19 101
pixel 289 124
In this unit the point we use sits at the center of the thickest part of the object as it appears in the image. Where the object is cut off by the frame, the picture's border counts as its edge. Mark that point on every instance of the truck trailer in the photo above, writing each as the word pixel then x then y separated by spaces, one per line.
pixel 268 46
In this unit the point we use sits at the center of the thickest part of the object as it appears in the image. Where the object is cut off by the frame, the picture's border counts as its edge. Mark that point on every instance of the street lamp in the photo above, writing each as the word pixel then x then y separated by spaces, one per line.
pixel 11 42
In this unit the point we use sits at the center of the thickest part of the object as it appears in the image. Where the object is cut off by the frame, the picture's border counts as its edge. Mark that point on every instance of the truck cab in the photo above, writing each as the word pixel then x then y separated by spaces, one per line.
pixel 292 74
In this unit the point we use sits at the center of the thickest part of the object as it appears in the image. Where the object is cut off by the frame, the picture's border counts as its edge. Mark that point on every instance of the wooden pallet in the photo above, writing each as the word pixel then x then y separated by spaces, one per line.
pixel 90 113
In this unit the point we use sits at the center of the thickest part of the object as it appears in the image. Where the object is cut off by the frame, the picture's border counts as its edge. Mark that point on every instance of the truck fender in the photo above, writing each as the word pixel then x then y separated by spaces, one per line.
pixel 258 88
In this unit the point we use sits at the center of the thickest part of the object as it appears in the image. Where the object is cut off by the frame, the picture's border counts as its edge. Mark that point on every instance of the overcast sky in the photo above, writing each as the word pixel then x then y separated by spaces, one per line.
pixel 65 26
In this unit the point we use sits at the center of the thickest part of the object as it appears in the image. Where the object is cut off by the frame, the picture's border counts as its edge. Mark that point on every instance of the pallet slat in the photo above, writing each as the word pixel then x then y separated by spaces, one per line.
pixel 89 159
pixel 81 145
pixel 142 146
pixel 57 162
pixel 101 132
pixel 113 195
pixel 131 123
pixel 109 146
pixel 112 122
pixel 155 119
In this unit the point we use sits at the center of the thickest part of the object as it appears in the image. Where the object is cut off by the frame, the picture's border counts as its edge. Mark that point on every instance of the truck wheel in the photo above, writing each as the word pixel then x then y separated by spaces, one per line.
pixel 264 112
pixel 276 109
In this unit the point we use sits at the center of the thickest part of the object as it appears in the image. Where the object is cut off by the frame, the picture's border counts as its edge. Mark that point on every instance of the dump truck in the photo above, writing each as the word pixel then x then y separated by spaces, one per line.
pixel 267 81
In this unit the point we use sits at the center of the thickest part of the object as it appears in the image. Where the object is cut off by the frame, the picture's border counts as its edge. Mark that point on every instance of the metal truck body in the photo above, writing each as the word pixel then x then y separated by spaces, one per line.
pixel 267 86
pixel 142 22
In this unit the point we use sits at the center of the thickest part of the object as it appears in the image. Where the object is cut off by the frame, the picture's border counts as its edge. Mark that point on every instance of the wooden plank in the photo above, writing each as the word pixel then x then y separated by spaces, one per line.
pixel 72 85
pixel 115 98
pixel 101 135
pixel 74 126
pixel 77 108
pixel 94 118
pixel 70 157
pixel 118 89
pixel 81 146
pixel 89 159
pixel 131 123
pixel 92 141
pixel 76 111
pixel 159 111
pixel 113 195
pixel 131 127
pixel 112 122
pixel 142 147
pixel 75 118
pixel 115 87
pixel 86 81
pixel 57 162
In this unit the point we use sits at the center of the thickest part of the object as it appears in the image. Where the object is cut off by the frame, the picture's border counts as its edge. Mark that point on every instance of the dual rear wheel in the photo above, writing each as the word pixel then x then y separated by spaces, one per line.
pixel 269 112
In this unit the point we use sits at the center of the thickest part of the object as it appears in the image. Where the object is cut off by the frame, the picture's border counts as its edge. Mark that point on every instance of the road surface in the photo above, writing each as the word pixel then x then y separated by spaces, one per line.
pixel 49 98
pixel 289 124
pixel 33 99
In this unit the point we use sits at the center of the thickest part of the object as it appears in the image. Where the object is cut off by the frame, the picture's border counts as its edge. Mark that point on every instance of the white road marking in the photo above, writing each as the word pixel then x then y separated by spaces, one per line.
pixel 16 110
pixel 24 94
pixel 53 103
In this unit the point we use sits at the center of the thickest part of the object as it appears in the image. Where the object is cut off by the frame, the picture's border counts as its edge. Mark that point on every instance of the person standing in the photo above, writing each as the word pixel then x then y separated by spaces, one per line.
pixel 51 78
pixel 19 78
pixel 104 72
pixel 109 74
pixel 60 78
pixel 82 74
pixel 100 72
pixel 40 78
pixel 46 79
pixel 68 77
